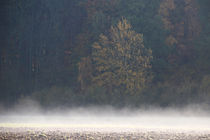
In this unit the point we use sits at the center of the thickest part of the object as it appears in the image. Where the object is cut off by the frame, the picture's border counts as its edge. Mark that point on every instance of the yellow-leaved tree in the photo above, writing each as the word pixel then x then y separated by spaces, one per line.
pixel 121 60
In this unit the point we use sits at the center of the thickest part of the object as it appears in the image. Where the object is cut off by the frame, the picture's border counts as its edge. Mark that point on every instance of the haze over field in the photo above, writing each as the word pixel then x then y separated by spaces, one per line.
pixel 106 118
pixel 105 65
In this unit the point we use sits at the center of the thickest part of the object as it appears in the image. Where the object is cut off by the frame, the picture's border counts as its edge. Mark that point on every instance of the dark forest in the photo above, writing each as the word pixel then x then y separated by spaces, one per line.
pixel 105 52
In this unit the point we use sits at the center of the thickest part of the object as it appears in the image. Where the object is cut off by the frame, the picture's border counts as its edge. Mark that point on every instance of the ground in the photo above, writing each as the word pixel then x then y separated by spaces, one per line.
pixel 7 133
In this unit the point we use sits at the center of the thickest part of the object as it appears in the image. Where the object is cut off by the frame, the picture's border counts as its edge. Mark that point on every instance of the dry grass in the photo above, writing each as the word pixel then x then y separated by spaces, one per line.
pixel 85 134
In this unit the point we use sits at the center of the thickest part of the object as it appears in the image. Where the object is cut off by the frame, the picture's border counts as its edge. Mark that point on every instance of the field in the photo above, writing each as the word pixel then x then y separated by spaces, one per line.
pixel 81 125
pixel 16 133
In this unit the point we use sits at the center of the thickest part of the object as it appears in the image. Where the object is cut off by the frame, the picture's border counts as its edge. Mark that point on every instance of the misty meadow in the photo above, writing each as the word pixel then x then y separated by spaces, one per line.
pixel 117 65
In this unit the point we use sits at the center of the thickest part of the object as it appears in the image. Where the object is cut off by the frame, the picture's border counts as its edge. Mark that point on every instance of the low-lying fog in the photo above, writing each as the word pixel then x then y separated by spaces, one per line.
pixel 29 114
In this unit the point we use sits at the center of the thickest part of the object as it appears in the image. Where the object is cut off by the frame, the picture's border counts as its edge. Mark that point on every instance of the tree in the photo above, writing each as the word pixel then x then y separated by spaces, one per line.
pixel 121 60
pixel 181 19
pixel 85 72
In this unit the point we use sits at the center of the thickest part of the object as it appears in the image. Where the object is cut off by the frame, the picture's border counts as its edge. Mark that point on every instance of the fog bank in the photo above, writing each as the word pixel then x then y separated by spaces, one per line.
pixel 30 114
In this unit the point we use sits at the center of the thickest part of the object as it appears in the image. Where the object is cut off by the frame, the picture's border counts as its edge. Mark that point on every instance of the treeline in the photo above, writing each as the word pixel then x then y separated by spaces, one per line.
pixel 99 52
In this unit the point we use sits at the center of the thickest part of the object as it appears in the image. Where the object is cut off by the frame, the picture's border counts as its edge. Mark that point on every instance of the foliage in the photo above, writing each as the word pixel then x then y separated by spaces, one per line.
pixel 121 60
pixel 85 72
pixel 45 52
pixel 180 18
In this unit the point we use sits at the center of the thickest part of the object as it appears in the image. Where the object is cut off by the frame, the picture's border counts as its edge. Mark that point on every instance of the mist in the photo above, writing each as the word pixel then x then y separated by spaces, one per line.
pixel 29 114
pixel 104 65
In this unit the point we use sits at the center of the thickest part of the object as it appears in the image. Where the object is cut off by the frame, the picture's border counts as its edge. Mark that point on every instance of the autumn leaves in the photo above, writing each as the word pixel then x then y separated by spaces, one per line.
pixel 119 60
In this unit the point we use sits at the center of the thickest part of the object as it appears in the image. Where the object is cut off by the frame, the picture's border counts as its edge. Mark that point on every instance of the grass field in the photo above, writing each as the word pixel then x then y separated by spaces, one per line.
pixel 96 125
pixel 97 133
